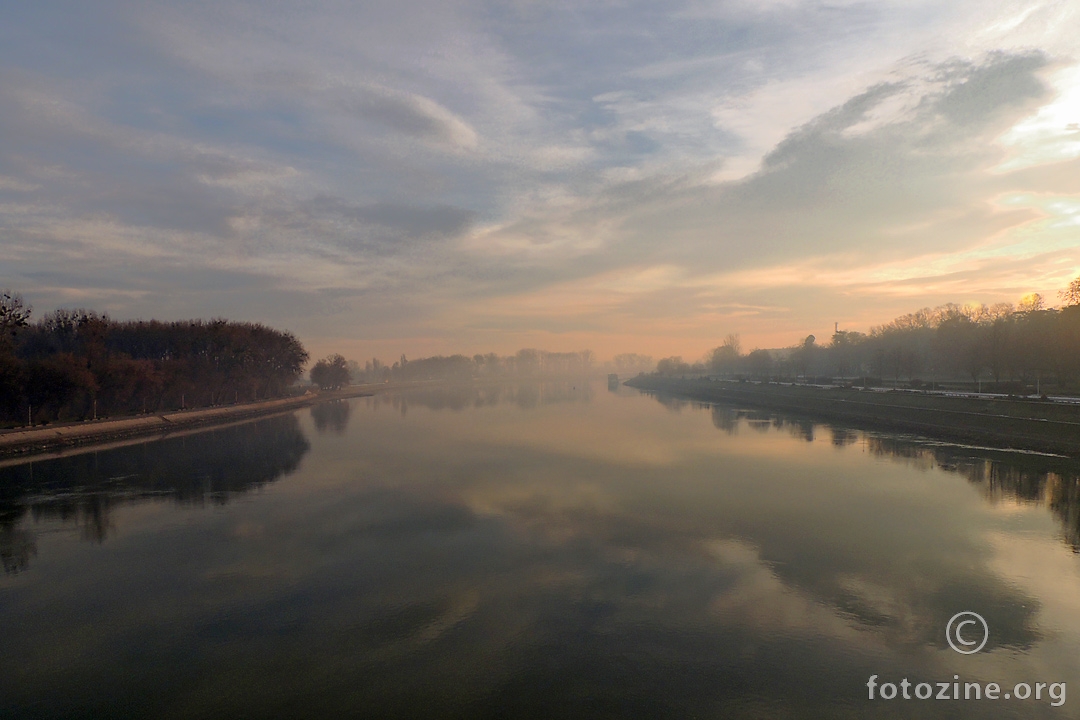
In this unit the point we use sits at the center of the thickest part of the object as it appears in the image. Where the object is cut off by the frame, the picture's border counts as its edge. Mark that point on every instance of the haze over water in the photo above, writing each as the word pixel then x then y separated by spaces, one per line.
pixel 552 550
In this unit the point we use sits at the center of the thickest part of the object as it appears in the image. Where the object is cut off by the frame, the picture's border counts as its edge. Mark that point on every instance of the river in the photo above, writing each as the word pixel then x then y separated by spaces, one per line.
pixel 537 551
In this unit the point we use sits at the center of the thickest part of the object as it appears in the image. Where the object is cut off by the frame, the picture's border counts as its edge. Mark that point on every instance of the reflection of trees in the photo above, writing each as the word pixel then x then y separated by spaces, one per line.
pixel 671 402
pixel 1028 480
pixel 331 416
pixel 83 489
pixel 17 546
pixel 528 395
pixel 801 429
pixel 759 421
pixel 729 419
pixel 843 436
pixel 1022 479
pixel 525 395
pixel 450 397
pixel 725 418
pixel 90 512
pixel 877 592
pixel 1062 496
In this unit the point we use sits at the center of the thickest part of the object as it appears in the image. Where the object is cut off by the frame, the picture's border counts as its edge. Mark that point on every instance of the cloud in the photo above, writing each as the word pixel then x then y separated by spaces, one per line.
pixel 828 206
pixel 408 221
pixel 413 115
pixel 823 190
pixel 357 232
pixel 500 167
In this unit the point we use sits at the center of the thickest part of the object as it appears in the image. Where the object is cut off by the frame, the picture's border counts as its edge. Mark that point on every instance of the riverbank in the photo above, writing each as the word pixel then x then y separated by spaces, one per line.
pixel 54 437
pixel 1015 424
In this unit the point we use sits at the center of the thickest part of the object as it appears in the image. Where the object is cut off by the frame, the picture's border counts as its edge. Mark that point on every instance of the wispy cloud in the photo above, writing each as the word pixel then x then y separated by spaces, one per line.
pixel 434 173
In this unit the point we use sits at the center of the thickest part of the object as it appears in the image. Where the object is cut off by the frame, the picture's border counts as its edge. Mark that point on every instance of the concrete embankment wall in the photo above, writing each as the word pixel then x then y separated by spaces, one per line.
pixel 1017 424
pixel 56 437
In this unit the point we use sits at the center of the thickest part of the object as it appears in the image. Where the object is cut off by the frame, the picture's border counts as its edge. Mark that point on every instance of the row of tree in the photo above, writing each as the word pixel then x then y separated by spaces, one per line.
pixel 334 371
pixel 76 364
pixel 525 363
pixel 1000 347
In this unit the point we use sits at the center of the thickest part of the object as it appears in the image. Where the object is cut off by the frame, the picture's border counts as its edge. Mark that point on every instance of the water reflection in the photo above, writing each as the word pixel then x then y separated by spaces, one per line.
pixel 599 558
pixel 1022 479
pixel 1003 478
pixel 17 546
pixel 843 436
pixel 1018 478
pixel 331 416
pixel 84 489
pixel 730 419
pixel 525 395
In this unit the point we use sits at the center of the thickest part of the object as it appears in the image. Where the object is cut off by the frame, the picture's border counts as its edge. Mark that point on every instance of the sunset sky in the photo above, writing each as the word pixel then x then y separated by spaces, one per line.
pixel 442 176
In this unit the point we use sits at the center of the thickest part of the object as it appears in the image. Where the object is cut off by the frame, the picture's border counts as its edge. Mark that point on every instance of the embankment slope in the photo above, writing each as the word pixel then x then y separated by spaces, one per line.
pixel 59 436
pixel 1005 423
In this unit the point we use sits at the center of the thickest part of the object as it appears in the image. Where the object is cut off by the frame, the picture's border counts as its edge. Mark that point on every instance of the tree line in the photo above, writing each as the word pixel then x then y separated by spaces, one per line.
pixel 334 371
pixel 77 364
pixel 1000 348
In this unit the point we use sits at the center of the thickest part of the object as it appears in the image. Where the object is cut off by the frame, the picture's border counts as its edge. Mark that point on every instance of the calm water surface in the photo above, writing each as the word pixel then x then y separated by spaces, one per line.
pixel 551 550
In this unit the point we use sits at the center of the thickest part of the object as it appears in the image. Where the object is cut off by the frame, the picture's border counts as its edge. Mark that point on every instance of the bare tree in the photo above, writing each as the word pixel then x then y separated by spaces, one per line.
pixel 1031 303
pixel 1071 295
pixel 14 312
pixel 633 362
pixel 725 358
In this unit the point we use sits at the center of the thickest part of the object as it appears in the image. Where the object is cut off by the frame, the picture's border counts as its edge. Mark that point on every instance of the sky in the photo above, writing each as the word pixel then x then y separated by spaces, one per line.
pixel 430 177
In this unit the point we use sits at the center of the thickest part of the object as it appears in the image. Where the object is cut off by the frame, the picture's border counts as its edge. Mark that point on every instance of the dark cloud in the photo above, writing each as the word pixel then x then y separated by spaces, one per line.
pixel 977 94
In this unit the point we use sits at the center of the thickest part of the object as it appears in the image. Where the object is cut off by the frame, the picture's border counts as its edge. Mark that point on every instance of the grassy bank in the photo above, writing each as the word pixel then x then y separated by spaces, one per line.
pixel 49 438
pixel 1006 423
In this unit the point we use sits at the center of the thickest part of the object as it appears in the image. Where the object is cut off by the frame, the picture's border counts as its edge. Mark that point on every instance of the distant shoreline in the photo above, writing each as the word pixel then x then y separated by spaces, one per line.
pixel 25 442
pixel 1014 424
